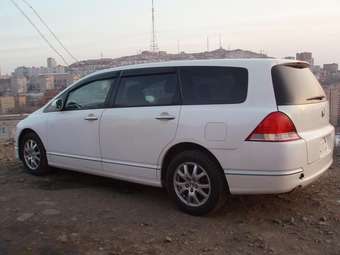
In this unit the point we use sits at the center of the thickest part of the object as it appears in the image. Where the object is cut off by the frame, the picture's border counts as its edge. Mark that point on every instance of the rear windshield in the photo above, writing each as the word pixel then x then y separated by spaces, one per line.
pixel 296 85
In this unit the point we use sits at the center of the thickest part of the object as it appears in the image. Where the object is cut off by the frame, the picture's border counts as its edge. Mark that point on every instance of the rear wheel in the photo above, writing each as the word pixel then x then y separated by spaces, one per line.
pixel 196 183
pixel 33 154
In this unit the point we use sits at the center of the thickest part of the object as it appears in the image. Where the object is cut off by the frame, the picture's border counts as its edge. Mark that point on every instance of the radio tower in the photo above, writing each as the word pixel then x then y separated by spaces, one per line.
pixel 154 46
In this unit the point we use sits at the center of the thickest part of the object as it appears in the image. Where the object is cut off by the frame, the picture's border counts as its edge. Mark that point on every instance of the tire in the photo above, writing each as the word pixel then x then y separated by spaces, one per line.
pixel 31 148
pixel 183 188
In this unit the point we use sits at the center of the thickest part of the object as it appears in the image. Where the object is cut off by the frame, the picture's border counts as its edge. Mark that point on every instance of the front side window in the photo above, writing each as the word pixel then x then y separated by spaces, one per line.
pixel 214 85
pixel 148 90
pixel 90 96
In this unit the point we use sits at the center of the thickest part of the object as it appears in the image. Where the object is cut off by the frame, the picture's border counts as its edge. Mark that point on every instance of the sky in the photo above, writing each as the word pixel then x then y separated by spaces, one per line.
pixel 114 28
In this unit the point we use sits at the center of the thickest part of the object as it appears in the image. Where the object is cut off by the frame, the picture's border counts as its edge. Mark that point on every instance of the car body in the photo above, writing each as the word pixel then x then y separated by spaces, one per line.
pixel 184 107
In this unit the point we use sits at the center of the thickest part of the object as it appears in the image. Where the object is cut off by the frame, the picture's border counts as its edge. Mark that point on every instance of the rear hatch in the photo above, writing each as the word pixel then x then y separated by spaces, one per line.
pixel 299 94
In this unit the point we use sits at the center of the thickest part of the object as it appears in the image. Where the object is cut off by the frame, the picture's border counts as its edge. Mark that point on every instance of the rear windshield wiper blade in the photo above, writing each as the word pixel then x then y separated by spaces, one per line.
pixel 316 98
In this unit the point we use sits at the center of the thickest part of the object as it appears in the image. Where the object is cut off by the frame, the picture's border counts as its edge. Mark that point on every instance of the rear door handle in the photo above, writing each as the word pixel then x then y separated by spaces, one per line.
pixel 91 117
pixel 165 116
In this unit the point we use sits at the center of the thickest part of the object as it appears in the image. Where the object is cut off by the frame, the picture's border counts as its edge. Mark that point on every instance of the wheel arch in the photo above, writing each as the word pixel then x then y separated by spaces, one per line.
pixel 178 148
pixel 21 137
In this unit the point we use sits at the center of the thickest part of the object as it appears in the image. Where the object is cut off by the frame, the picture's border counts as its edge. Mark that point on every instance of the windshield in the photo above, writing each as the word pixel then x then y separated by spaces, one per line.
pixel 296 84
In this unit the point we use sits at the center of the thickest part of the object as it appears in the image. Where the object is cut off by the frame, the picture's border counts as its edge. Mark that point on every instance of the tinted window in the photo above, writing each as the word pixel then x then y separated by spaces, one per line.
pixel 296 85
pixel 214 85
pixel 90 96
pixel 148 90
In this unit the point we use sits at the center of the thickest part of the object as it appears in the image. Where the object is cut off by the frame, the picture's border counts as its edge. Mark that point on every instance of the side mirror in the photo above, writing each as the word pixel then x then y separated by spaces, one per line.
pixel 59 104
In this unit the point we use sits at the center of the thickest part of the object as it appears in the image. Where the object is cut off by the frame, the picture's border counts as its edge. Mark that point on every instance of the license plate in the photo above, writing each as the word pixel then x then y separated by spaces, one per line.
pixel 324 148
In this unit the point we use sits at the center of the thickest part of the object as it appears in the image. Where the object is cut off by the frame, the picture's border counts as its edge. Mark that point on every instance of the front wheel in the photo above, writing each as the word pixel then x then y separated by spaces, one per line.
pixel 196 182
pixel 33 154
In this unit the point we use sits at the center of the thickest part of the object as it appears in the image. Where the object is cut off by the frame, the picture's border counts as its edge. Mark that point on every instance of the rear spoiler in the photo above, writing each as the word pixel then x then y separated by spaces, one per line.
pixel 297 64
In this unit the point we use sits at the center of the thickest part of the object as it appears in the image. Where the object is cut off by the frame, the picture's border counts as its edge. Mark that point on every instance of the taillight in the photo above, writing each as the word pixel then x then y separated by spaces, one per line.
pixel 276 127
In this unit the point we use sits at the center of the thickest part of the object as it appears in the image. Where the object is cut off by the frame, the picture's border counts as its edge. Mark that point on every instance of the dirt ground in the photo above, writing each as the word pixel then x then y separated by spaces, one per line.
pixel 68 213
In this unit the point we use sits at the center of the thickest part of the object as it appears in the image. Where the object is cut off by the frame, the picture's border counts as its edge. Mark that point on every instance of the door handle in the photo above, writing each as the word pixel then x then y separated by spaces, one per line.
pixel 91 117
pixel 165 116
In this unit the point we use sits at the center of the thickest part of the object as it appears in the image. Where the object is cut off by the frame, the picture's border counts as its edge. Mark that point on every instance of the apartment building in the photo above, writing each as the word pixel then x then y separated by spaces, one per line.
pixel 333 95
pixel 7 104
pixel 305 56
pixel 5 86
pixel 331 68
pixel 18 84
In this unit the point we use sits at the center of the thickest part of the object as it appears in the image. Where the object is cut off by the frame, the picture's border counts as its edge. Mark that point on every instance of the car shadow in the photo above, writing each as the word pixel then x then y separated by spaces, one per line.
pixel 61 179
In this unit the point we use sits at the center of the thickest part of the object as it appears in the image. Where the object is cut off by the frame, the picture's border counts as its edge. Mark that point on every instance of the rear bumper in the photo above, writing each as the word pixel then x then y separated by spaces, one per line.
pixel 315 170
pixel 275 182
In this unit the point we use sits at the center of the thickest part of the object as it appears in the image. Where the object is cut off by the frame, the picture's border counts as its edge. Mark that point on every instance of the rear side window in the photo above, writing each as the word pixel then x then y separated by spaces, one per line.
pixel 148 90
pixel 295 85
pixel 214 85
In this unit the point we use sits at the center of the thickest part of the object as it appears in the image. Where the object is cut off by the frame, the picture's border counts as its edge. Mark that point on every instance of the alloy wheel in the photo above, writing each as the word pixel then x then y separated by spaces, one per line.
pixel 192 184
pixel 32 154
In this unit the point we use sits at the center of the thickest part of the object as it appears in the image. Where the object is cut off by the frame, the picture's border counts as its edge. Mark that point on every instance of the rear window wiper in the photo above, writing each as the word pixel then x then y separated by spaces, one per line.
pixel 315 98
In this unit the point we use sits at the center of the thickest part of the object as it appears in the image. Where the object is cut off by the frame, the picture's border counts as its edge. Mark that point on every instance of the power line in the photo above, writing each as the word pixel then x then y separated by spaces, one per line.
pixel 50 30
pixel 39 32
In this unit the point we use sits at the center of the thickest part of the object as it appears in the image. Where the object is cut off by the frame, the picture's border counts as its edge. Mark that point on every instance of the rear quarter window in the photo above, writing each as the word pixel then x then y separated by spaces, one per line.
pixel 296 85
pixel 214 85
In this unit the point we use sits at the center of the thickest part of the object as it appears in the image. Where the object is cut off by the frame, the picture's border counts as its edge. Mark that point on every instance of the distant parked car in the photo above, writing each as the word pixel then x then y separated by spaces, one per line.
pixel 200 129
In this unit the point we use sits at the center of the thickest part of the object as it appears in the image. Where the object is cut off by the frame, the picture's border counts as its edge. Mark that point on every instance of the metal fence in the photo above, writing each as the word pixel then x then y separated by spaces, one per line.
pixel 8 124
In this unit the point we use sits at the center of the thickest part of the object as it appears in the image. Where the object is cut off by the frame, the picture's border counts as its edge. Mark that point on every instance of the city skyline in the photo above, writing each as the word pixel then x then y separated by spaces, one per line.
pixel 125 28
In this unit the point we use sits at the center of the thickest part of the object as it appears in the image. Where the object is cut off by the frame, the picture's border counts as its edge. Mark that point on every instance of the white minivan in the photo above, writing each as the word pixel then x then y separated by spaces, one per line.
pixel 200 129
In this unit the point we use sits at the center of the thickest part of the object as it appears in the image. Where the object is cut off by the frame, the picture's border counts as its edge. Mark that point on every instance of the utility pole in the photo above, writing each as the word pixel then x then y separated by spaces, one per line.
pixel 220 40
pixel 208 46
pixel 330 103
pixel 154 47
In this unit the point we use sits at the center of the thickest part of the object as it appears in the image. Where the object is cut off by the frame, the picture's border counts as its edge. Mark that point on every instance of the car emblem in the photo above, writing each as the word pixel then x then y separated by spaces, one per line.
pixel 323 113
